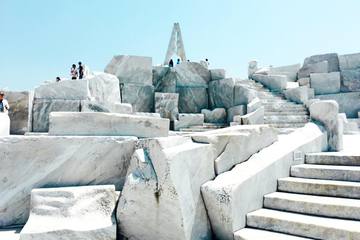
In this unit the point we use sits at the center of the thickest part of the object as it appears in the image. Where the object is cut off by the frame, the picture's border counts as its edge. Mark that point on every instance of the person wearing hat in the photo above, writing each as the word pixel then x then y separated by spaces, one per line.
pixel 4 105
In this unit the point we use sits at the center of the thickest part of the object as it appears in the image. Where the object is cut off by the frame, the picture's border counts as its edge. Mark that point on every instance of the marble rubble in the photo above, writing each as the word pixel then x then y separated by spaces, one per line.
pixel 72 213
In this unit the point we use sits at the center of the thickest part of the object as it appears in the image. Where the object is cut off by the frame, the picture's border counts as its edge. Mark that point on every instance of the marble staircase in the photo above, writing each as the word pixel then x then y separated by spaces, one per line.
pixel 320 200
pixel 279 112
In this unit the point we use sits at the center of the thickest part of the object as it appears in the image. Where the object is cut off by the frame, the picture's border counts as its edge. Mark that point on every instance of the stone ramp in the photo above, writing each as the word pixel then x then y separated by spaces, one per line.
pixel 279 112
pixel 320 200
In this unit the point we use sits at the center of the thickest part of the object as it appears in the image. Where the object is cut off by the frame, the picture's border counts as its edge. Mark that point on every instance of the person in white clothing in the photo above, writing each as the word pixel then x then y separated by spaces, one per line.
pixel 4 105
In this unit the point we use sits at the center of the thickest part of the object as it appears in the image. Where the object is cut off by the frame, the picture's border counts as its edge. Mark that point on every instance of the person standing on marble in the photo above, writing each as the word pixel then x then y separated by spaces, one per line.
pixel 178 61
pixel 207 62
pixel 171 63
pixel 4 105
pixel 73 72
pixel 81 71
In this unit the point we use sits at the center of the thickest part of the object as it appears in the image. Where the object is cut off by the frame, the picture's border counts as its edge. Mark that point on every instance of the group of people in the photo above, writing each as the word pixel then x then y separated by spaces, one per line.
pixel 77 72
pixel 171 62
pixel 4 105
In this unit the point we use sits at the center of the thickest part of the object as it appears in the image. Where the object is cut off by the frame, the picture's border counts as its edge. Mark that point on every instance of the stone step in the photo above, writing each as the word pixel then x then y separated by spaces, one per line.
pixel 320 187
pixel 275 113
pixel 282 108
pixel 286 119
pixel 314 205
pixel 329 172
pixel 333 158
pixel 304 225
pixel 286 125
pixel 257 234
pixel 284 105
pixel 273 100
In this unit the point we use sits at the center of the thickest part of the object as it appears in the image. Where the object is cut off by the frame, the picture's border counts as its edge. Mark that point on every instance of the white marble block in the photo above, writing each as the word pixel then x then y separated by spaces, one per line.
pixel 161 198
pixel 188 119
pixel 236 144
pixel 72 213
pixel 234 111
pixel 106 124
pixel 4 124
pixel 218 115
pixel 256 117
pixel 326 112
pixel 325 83
pixel 167 105
pixel 131 69
pixel 29 162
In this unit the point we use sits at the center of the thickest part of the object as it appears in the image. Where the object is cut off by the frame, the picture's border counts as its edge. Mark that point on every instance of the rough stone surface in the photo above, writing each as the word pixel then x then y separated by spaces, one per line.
pixel 253 105
pixel 256 117
pixel 350 127
pixel 65 90
pixel 167 105
pixel 92 106
pixel 290 71
pixel 349 61
pixel 131 69
pixel 228 198
pixel 252 68
pixel 100 87
pixel 141 97
pixel 187 120
pixel 350 80
pixel 163 191
pixel 164 79
pixel 331 58
pixel 122 108
pixel 226 143
pixel 298 95
pixel 218 115
pixel 72 213
pixel 326 112
pixel 349 103
pixel 221 93
pixel 147 114
pixel 243 95
pixel 43 107
pixel 4 124
pixel 192 99
pixel 217 74
pixel 236 110
pixel 191 74
pixel 274 82
pixel 318 67
pixel 304 81
pixel 20 111
pixel 325 83
pixel 43 161
pixel 106 124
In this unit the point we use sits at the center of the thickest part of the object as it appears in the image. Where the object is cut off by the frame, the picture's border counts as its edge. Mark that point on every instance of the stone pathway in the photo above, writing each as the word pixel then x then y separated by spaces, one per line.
pixel 320 200
pixel 279 112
